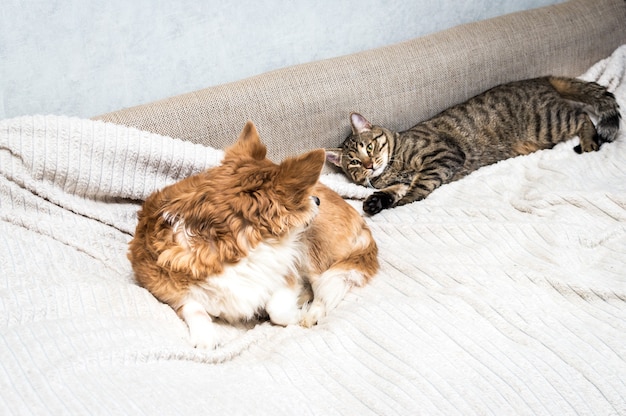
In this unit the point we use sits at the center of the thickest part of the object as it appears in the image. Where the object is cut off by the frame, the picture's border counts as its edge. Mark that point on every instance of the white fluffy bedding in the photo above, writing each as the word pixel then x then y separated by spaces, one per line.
pixel 502 293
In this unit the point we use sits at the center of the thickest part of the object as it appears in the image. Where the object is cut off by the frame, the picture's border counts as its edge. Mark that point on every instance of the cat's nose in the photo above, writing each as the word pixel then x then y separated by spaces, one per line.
pixel 316 200
pixel 368 164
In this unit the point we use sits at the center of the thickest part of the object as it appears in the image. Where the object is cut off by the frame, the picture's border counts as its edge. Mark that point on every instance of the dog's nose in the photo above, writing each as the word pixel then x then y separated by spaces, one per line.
pixel 317 200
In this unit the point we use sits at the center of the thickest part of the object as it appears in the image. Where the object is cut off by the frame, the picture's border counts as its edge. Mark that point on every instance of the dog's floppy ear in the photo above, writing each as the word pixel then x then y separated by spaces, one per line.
pixel 248 144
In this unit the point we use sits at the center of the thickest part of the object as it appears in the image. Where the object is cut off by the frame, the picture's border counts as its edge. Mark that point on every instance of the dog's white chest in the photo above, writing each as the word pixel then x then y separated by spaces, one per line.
pixel 243 289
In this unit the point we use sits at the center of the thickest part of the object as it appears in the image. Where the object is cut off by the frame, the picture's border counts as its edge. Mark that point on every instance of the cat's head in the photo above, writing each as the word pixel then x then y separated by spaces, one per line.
pixel 365 153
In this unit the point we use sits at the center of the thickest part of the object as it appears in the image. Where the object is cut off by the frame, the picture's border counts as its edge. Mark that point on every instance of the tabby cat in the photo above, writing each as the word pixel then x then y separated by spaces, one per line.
pixel 506 121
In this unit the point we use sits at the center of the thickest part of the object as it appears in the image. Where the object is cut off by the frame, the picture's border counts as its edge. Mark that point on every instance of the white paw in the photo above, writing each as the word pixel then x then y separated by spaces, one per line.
pixel 206 339
pixel 282 308
pixel 312 314
pixel 202 331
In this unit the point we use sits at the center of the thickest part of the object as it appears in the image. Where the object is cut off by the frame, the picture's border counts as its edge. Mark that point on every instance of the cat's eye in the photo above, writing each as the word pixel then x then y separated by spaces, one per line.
pixel 355 162
pixel 369 148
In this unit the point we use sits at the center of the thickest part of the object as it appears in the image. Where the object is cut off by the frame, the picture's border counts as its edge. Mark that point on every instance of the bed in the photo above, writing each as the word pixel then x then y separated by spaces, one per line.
pixel 501 293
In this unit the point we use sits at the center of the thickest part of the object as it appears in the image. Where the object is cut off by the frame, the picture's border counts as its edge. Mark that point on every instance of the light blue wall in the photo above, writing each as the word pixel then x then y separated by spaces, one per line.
pixel 84 58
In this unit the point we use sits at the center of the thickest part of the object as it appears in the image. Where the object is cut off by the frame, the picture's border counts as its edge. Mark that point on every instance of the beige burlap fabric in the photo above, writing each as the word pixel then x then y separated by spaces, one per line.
pixel 307 106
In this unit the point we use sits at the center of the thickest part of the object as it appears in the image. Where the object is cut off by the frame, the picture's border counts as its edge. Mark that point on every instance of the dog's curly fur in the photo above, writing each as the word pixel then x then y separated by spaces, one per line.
pixel 251 238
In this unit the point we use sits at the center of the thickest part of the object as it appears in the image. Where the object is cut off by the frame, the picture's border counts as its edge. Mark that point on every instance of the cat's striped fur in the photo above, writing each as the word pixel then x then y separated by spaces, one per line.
pixel 506 121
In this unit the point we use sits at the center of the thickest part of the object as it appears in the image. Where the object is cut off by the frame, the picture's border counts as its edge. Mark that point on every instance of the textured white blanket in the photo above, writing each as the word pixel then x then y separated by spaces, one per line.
pixel 502 293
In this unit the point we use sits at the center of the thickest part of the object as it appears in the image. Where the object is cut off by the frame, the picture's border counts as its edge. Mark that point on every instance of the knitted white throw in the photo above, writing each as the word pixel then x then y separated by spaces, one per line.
pixel 502 293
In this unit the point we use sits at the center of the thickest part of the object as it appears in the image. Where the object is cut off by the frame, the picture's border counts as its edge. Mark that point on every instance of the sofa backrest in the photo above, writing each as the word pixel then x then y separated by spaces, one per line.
pixel 307 106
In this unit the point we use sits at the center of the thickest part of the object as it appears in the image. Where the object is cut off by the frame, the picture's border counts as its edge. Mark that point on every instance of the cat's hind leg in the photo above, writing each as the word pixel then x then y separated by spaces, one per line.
pixel 588 135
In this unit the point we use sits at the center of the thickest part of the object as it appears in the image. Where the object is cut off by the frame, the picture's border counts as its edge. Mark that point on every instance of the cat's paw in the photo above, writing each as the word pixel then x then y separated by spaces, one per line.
pixel 377 202
pixel 584 147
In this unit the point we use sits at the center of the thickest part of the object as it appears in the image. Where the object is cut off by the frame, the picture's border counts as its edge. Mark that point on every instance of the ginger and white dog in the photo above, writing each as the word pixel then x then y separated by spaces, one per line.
pixel 251 238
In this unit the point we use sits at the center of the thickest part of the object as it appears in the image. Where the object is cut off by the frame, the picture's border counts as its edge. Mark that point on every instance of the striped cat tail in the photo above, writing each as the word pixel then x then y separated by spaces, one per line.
pixel 601 101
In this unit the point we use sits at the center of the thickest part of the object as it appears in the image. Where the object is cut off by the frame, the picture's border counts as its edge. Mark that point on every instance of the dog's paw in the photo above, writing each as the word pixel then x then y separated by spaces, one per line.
pixel 206 339
pixel 312 314
pixel 202 331
pixel 282 307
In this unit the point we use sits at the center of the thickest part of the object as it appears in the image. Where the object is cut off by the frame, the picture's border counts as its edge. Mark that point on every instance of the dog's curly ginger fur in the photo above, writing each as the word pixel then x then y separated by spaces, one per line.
pixel 247 238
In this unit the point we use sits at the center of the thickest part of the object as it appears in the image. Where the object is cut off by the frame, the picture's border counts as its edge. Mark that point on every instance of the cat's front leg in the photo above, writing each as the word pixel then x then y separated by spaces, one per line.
pixel 202 331
pixel 422 184
pixel 428 179
pixel 387 197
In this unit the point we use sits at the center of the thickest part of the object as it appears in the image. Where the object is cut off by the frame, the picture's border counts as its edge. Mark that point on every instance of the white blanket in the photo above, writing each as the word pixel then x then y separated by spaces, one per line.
pixel 502 293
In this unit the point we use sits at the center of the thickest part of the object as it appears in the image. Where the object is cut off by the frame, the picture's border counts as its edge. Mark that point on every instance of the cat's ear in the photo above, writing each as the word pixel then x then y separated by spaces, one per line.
pixel 359 123
pixel 334 156
pixel 248 144
pixel 302 172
